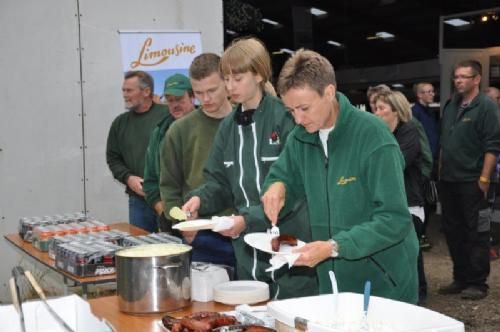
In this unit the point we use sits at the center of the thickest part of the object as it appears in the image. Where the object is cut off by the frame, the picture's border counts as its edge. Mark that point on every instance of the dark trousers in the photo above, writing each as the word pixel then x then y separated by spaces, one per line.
pixel 422 282
pixel 467 242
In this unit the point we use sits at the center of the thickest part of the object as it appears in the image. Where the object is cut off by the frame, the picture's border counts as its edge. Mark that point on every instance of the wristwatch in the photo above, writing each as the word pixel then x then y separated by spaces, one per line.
pixel 335 248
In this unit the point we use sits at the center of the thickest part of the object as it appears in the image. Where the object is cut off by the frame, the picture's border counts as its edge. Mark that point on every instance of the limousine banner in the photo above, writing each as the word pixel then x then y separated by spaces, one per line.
pixel 160 53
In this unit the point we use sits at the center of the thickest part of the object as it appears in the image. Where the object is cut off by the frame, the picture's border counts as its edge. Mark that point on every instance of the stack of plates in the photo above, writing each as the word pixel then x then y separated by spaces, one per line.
pixel 241 292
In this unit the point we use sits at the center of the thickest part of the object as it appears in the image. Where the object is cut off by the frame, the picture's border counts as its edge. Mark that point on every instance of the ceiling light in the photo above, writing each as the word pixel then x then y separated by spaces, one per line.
pixel 334 43
pixel 231 32
pixel 484 18
pixel 318 12
pixel 398 85
pixel 287 50
pixel 268 21
pixel 457 22
pixel 384 35
pixel 381 35
pixel 283 50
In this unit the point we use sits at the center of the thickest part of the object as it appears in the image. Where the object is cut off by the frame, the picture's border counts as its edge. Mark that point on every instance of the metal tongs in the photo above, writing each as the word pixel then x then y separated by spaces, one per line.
pixel 16 296
pixel 18 272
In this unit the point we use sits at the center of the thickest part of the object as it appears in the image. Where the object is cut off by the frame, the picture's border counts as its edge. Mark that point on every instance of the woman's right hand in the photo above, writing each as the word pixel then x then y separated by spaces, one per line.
pixel 273 201
pixel 191 207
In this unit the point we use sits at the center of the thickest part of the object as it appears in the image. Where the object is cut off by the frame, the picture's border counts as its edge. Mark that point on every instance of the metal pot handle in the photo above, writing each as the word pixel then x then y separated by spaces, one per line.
pixel 169 266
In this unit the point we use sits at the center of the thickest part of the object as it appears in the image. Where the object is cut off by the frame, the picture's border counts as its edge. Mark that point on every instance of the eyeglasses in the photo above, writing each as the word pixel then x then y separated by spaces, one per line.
pixel 430 92
pixel 463 77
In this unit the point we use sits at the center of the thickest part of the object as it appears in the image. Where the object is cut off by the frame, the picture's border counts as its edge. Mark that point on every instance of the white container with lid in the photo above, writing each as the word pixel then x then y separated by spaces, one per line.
pixel 204 277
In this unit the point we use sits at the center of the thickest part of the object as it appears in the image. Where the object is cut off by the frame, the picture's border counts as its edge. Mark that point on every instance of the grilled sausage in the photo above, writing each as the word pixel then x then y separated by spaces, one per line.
pixel 283 239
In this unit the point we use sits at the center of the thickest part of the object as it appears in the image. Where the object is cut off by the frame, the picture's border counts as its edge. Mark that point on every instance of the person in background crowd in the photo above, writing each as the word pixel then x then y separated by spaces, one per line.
pixel 470 141
pixel 429 119
pixel 494 94
pixel 494 193
pixel 128 140
pixel 426 160
pixel 186 148
pixel 395 110
pixel 422 111
pixel 341 158
pixel 179 96
pixel 247 143
pixel 372 92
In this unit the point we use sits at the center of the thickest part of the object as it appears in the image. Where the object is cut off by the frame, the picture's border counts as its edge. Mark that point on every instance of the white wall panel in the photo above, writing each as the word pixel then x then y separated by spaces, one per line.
pixel 41 162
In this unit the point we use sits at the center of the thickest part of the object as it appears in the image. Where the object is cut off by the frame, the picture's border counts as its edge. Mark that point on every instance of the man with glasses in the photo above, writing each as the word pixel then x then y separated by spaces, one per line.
pixel 470 141
pixel 426 115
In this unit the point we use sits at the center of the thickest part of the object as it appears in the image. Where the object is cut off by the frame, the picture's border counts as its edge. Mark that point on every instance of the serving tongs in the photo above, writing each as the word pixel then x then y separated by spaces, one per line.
pixel 18 272
pixel 16 296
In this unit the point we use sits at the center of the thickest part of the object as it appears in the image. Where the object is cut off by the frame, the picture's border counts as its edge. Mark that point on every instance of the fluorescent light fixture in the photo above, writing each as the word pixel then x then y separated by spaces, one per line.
pixel 231 32
pixel 457 22
pixel 398 85
pixel 384 35
pixel 283 50
pixel 334 43
pixel 318 12
pixel 287 50
pixel 268 21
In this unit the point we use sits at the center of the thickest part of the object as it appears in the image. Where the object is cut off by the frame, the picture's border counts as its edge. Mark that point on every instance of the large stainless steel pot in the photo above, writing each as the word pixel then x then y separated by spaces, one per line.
pixel 153 278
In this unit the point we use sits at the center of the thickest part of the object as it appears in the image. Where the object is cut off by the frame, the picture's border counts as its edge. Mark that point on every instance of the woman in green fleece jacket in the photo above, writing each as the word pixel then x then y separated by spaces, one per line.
pixel 350 168
pixel 248 141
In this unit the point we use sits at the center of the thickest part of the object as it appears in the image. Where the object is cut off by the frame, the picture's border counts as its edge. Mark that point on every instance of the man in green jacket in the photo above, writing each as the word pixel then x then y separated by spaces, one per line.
pixel 470 142
pixel 179 96
pixel 128 140
pixel 350 168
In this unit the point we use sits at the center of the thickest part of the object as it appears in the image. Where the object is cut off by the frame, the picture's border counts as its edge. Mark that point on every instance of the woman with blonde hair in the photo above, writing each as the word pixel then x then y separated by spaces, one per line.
pixel 395 110
pixel 248 141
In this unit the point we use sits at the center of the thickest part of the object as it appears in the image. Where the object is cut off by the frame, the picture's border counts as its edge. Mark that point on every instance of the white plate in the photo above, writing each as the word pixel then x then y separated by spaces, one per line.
pixel 194 225
pixel 262 241
pixel 241 292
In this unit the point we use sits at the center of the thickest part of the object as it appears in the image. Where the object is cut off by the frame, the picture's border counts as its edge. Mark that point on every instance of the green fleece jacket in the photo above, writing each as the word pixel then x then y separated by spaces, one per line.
pixel 128 140
pixel 151 185
pixel 185 150
pixel 466 136
pixel 357 197
pixel 239 160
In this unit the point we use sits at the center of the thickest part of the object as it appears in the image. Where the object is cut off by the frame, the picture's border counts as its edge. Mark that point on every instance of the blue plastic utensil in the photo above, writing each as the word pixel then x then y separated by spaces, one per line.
pixel 366 297
pixel 366 303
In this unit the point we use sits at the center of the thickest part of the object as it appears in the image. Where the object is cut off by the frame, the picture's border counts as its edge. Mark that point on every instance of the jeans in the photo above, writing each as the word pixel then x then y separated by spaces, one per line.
pixel 212 247
pixel 140 214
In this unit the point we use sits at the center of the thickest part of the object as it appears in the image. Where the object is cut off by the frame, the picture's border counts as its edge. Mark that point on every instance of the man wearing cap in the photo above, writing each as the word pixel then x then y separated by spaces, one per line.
pixel 128 140
pixel 180 101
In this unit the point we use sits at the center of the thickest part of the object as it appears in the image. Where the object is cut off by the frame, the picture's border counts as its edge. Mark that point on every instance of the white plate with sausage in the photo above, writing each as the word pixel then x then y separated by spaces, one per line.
pixel 262 241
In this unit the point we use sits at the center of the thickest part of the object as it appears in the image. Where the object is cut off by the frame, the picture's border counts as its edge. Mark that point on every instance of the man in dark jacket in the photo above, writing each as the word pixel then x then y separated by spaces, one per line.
pixel 429 119
pixel 470 141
